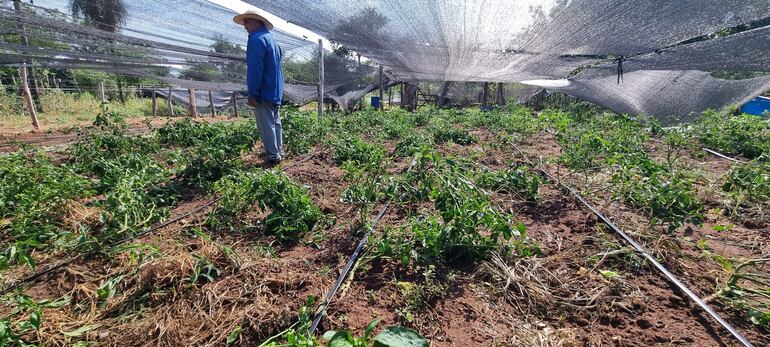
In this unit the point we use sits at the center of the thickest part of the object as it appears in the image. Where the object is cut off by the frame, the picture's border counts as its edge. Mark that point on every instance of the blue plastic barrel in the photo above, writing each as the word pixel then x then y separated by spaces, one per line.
pixel 376 101
pixel 759 106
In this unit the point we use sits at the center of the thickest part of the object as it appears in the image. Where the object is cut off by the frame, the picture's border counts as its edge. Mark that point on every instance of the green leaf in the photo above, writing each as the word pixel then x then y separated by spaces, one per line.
pixel 82 330
pixel 341 339
pixel 234 335
pixel 370 329
pixel 608 274
pixel 396 336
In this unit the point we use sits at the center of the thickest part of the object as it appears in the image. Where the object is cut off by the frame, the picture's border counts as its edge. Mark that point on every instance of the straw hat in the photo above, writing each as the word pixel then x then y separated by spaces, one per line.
pixel 253 15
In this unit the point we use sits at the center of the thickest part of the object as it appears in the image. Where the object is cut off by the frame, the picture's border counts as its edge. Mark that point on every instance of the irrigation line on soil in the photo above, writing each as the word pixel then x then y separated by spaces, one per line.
pixel 639 249
pixel 321 312
pixel 723 156
pixel 33 277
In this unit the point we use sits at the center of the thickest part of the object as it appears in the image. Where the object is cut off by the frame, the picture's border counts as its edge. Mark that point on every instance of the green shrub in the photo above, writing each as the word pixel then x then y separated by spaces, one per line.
pixel 519 180
pixel 291 209
pixel 743 134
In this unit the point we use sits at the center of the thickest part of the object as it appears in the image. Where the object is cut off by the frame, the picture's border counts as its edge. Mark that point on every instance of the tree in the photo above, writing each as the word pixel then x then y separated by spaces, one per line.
pixel 105 15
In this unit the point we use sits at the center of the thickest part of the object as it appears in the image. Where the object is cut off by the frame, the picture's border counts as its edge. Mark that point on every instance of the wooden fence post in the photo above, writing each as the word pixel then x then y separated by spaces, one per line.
pixel 211 101
pixel 382 89
pixel 193 110
pixel 28 96
pixel 485 95
pixel 170 103
pixel 321 78
pixel 102 97
pixel 235 104
pixel 154 102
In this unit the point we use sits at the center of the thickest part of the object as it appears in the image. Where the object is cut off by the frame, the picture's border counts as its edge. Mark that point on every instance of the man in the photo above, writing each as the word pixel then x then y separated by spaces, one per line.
pixel 265 82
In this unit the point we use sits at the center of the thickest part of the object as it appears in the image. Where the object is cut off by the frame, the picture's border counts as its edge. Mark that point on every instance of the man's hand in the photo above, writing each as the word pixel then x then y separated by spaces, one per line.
pixel 252 102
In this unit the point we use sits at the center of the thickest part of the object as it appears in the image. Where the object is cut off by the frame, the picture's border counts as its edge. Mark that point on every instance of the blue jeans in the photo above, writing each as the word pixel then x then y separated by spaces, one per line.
pixel 269 124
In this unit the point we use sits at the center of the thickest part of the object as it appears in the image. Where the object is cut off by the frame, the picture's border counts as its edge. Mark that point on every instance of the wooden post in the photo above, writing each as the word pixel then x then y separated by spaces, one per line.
pixel 500 94
pixel 321 78
pixel 211 102
pixel 235 104
pixel 170 103
pixel 390 97
pixel 193 110
pixel 56 82
pixel 154 103
pixel 102 97
pixel 382 89
pixel 485 95
pixel 121 96
pixel 28 96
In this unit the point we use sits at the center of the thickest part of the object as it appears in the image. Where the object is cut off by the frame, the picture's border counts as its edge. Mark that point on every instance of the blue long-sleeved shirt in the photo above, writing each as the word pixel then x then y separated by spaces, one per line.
pixel 264 76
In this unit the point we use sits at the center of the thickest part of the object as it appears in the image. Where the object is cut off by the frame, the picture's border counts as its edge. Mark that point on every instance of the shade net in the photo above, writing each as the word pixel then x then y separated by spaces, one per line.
pixel 186 43
pixel 672 96
pixel 513 41
pixel 498 41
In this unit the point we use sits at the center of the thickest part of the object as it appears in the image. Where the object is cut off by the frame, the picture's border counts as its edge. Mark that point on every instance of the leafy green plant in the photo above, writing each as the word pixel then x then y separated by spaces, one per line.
pixel 741 134
pixel 412 143
pixel 393 336
pixel 468 226
pixel 666 196
pixel 443 133
pixel 749 291
pixel 358 151
pixel 749 184
pixel 517 179
pixel 24 318
pixel 303 130
pixel 291 209
pixel 33 194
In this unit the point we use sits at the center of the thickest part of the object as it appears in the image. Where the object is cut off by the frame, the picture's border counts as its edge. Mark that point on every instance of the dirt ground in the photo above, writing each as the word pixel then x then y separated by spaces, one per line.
pixel 561 298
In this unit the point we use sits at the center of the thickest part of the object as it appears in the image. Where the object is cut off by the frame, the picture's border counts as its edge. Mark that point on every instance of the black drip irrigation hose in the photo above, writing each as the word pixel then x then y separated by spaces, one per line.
pixel 639 249
pixel 35 276
pixel 321 312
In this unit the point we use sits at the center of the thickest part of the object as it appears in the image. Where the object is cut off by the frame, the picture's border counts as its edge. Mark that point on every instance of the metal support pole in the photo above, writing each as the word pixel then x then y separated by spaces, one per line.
pixel 382 89
pixel 321 91
pixel 211 102
pixel 28 96
pixel 485 95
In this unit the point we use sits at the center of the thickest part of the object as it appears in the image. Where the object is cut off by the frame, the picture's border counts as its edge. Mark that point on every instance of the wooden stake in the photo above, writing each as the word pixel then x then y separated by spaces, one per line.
pixel 485 95
pixel 211 102
pixel 193 110
pixel 154 103
pixel 321 78
pixel 14 80
pixel 102 97
pixel 382 89
pixel 170 103
pixel 56 83
pixel 28 97
pixel 235 104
